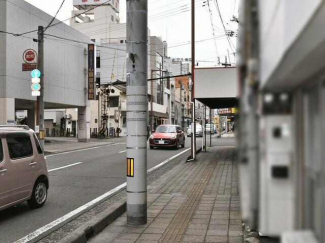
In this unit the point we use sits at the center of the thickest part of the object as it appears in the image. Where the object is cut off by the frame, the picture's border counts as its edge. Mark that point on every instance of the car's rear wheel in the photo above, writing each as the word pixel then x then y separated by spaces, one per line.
pixel 39 194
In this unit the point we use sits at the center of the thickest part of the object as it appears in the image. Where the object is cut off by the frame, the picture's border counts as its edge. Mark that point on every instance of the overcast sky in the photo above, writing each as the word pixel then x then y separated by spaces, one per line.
pixel 170 19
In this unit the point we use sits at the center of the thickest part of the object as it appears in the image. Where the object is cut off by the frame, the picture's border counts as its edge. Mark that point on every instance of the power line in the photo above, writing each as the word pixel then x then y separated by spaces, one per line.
pixel 64 40
pixel 54 16
pixel 223 24
pixel 154 17
pixel 15 34
pixel 175 76
pixel 77 15
pixel 213 31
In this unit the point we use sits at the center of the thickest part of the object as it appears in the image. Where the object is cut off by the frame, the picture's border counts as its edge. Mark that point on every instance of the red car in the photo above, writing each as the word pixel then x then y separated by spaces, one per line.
pixel 167 136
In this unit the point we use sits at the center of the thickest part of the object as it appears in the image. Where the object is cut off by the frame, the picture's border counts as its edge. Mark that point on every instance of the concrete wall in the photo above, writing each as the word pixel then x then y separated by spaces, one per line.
pixel 64 62
pixel 281 24
pixel 215 83
pixel 54 115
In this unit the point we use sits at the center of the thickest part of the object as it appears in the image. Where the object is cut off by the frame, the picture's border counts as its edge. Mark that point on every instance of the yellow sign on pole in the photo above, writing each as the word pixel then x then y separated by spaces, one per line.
pixel 42 135
pixel 130 167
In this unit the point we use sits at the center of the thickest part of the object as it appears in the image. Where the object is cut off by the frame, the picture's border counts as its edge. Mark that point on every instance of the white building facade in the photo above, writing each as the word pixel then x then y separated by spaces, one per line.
pixel 282 90
pixel 65 81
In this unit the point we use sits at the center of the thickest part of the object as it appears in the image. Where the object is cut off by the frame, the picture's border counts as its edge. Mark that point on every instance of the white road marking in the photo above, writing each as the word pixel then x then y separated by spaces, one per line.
pixel 123 151
pixel 38 234
pixel 54 225
pixel 78 150
pixel 63 167
pixel 167 160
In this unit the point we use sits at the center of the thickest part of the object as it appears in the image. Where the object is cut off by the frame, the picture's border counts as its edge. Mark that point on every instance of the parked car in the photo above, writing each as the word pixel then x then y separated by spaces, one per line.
pixel 167 136
pixel 23 170
pixel 199 131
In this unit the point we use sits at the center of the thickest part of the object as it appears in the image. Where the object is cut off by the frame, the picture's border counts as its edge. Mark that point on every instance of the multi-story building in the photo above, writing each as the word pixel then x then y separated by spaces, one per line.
pixel 180 92
pixel 281 70
pixel 64 65
pixel 103 26
pixel 182 108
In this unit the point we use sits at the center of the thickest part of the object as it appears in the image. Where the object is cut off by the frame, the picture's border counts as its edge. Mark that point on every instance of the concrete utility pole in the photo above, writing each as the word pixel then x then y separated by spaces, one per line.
pixel 193 137
pixel 40 99
pixel 205 130
pixel 137 109
pixel 210 117
pixel 152 121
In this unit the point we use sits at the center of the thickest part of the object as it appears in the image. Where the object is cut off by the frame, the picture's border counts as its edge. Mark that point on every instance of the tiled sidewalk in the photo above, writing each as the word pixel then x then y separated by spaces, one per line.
pixel 195 202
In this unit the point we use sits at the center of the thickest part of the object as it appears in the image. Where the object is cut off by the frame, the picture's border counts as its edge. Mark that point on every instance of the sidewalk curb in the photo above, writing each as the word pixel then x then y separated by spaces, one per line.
pixel 96 225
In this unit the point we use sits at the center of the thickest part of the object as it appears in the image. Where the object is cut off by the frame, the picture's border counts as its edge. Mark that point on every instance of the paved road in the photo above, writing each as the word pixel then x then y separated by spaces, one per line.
pixel 75 179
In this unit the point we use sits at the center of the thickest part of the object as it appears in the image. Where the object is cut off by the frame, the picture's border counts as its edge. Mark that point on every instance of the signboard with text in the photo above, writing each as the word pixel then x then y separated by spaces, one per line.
pixel 30 56
pixel 91 72
pixel 28 67
pixel 30 60
pixel 114 3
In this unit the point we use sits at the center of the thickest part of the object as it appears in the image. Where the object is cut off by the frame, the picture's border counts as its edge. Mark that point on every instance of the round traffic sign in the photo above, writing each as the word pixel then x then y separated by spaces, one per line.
pixel 36 87
pixel 35 73
pixel 30 56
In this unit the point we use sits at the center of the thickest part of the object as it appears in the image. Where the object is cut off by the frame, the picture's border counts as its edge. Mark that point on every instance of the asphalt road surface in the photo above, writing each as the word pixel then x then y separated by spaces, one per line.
pixel 76 178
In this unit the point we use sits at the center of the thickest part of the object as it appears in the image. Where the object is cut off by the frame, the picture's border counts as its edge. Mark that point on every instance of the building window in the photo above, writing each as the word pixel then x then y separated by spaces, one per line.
pixel 96 120
pixel 113 101
pixel 97 62
pixel 98 82
pixel 124 121
pixel 98 79
pixel 112 18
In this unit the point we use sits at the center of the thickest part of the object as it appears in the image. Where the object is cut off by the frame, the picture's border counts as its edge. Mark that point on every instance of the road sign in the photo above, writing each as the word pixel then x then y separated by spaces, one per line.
pixel 36 87
pixel 36 93
pixel 30 56
pixel 35 73
pixel 29 66
pixel 36 80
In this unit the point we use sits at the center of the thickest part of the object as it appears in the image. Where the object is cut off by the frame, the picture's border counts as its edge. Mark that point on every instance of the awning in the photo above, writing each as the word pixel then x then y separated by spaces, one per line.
pixel 120 85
